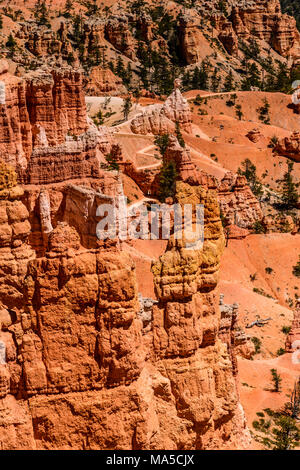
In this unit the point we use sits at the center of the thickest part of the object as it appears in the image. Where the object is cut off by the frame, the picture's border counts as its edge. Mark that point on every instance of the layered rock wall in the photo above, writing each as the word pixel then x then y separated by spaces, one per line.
pixel 79 352
pixel 264 20
pixel 39 110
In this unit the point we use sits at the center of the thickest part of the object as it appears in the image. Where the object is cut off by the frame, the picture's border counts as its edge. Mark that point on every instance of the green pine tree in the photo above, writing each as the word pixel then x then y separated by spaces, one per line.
pixel 249 171
pixel 167 181
pixel 229 84
pixel 11 45
pixel 68 9
pixel 127 107
pixel 290 195
pixel 41 13
pixel 162 142
pixel 296 269
pixel 279 430
pixel 276 379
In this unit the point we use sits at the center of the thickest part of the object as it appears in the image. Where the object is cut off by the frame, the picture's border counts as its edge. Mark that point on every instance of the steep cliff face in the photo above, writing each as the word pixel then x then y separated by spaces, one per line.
pixel 230 332
pixel 41 41
pixel 123 385
pixel 264 20
pixel 261 19
pixel 15 251
pixel 39 110
pixel 191 39
pixel 186 323
pixel 93 35
pixel 226 34
pixel 45 133
pixel 55 101
pixel 15 128
pixel 118 33
pixel 78 157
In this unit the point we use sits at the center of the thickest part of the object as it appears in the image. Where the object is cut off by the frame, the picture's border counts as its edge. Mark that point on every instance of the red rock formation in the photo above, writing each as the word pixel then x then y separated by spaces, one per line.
pixel 161 119
pixel 191 39
pixel 15 253
pixel 177 109
pixel 264 20
pixel 14 232
pixel 55 101
pixel 79 330
pixel 80 211
pixel 293 339
pixel 290 146
pixel 39 110
pixel 233 232
pixel 226 34
pixel 238 204
pixel 186 169
pixel 254 135
pixel 151 121
pixel 284 223
pixel 186 323
pixel 41 41
pixel 103 82
pixel 76 158
pixel 15 129
pixel 45 133
pixel 93 36
pixel 146 26
pixel 238 343
pixel 117 32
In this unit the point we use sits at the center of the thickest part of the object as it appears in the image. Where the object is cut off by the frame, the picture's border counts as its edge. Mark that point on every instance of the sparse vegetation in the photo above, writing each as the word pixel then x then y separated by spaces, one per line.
pixel 167 181
pixel 276 379
pixel 285 330
pixel 260 291
pixel 111 163
pixel 273 141
pixel 249 171
pixel 11 45
pixel 259 228
pixel 41 13
pixel 280 352
pixel 296 269
pixel 290 195
pixel 257 344
pixel 239 113
pixel 179 134
pixel 162 142
pixel 263 112
pixel 279 430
